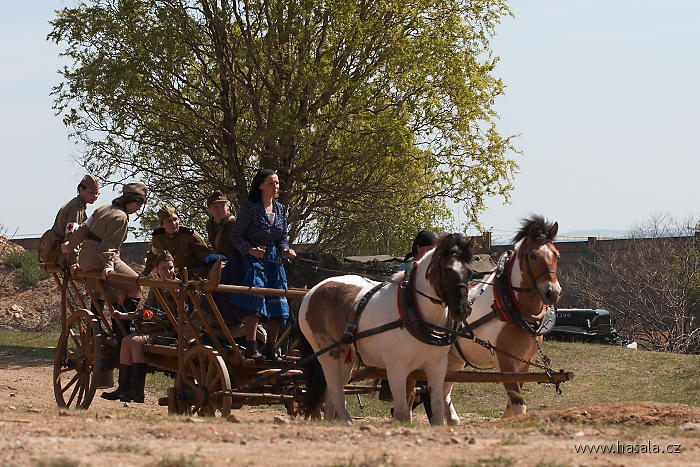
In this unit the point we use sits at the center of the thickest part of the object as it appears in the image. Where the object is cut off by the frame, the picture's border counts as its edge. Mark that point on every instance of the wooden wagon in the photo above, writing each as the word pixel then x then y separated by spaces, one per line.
pixel 209 376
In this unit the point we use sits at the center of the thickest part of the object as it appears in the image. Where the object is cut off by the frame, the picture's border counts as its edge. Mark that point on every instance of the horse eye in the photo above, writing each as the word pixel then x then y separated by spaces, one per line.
pixel 532 257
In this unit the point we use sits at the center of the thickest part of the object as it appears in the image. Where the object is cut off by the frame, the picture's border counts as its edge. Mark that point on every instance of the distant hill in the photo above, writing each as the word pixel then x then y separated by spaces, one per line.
pixel 574 235
pixel 603 233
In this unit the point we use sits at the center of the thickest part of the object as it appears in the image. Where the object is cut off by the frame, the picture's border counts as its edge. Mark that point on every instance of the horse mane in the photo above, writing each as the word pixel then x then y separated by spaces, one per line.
pixel 459 245
pixel 536 224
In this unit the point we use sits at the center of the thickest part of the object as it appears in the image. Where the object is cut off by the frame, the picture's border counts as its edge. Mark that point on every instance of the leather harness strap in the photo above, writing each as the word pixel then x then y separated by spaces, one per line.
pixel 412 317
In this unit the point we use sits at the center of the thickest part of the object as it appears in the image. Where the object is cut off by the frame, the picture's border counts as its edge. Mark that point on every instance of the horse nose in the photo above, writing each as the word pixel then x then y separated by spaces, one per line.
pixel 553 292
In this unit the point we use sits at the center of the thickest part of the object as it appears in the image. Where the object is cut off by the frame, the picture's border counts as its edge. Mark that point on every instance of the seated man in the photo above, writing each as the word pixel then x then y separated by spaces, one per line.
pixel 185 245
pixel 68 219
pixel 150 323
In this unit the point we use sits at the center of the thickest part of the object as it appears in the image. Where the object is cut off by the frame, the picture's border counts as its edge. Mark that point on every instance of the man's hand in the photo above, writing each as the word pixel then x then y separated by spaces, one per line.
pixel 106 272
pixel 64 248
pixel 73 268
pixel 289 253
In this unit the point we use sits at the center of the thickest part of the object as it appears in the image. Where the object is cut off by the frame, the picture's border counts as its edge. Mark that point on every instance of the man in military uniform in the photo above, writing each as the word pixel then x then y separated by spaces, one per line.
pixel 69 218
pixel 220 224
pixel 187 246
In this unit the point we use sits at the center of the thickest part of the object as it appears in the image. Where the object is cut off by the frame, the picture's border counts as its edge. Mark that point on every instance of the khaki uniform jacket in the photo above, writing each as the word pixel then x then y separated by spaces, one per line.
pixel 68 219
pixel 109 224
pixel 187 247
pixel 220 235
pixel 159 322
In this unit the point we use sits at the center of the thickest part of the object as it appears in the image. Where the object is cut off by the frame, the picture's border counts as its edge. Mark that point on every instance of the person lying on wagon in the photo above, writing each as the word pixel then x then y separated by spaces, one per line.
pixel 151 323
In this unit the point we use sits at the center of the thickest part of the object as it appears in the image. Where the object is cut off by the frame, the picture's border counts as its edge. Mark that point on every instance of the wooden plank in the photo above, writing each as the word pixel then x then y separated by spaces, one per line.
pixel 476 376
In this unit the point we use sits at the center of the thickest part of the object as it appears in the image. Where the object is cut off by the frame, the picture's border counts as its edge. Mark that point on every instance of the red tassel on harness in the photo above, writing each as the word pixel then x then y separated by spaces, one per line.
pixel 348 357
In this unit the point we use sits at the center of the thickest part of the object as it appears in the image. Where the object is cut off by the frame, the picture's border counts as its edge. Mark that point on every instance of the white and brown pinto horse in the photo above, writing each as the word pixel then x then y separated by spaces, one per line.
pixel 509 319
pixel 439 295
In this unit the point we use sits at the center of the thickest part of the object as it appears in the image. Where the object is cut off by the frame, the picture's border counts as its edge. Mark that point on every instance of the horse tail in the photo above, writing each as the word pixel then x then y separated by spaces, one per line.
pixel 314 378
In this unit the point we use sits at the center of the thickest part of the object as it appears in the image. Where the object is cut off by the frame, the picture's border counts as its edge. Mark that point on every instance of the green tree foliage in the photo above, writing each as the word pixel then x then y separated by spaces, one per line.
pixel 374 113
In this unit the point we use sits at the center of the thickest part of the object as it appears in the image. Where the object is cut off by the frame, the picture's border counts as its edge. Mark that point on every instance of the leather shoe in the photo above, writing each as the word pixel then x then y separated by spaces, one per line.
pixel 251 350
pixel 270 352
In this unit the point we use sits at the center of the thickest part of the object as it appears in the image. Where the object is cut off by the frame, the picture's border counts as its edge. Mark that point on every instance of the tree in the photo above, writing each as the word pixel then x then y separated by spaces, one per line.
pixel 651 282
pixel 374 113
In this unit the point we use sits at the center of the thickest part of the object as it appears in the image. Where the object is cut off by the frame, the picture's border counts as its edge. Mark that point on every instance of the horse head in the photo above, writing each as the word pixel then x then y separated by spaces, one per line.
pixel 538 257
pixel 449 273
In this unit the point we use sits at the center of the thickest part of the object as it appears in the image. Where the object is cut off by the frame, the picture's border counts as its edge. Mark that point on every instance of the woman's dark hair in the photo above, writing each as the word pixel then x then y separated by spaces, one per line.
pixel 254 193
pixel 424 238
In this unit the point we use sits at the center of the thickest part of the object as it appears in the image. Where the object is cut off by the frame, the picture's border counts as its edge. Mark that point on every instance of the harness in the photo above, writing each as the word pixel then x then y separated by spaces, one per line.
pixel 506 306
pixel 411 319
pixel 415 323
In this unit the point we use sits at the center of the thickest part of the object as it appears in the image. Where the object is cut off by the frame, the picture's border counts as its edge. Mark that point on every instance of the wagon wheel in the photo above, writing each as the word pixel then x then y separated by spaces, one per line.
pixel 205 386
pixel 77 354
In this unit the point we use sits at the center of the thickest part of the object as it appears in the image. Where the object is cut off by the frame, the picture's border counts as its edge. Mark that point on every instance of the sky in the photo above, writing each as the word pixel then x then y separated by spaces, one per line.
pixel 604 96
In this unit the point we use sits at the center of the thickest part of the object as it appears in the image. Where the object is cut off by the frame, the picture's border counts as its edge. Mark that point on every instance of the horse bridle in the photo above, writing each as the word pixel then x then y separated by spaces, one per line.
pixel 531 276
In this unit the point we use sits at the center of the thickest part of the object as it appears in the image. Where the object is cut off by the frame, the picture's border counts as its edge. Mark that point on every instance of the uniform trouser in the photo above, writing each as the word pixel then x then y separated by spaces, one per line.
pixel 90 259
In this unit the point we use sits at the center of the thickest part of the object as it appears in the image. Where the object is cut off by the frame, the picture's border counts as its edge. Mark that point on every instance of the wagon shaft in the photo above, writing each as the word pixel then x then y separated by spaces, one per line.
pixel 476 376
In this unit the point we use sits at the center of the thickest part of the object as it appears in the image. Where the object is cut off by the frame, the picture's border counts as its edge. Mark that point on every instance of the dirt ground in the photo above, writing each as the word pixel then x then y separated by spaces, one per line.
pixel 33 431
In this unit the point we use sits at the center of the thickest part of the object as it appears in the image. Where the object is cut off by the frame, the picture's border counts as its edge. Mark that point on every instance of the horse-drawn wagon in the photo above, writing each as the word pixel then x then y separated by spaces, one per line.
pixel 211 376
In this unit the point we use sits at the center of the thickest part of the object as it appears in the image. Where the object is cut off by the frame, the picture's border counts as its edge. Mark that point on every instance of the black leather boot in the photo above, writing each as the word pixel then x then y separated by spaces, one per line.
pixel 270 352
pixel 138 384
pixel 124 385
pixel 251 350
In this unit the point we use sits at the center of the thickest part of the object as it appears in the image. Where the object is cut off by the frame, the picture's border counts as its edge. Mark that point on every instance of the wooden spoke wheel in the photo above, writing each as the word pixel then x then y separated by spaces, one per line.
pixel 77 355
pixel 204 386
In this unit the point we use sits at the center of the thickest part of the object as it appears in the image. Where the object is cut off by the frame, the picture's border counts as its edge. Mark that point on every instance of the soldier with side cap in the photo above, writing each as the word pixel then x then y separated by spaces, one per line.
pixel 69 218
pixel 187 246
pixel 102 235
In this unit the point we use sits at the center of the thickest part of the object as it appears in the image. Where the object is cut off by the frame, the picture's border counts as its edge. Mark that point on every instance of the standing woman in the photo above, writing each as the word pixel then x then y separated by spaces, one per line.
pixel 260 235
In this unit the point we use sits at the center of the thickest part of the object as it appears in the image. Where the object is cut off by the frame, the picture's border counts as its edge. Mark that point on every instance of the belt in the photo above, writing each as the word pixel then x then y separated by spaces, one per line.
pixel 92 236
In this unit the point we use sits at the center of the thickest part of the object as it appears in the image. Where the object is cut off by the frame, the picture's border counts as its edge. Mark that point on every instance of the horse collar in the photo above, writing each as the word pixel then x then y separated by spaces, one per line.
pixel 415 323
pixel 505 301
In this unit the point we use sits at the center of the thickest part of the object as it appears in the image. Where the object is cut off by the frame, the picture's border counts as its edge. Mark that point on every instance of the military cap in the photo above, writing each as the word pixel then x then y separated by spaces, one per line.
pixel 135 188
pixel 164 256
pixel 90 182
pixel 165 212
pixel 216 197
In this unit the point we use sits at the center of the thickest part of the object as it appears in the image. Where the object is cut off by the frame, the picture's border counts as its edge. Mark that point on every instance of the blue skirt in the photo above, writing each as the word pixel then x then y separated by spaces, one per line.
pixel 265 272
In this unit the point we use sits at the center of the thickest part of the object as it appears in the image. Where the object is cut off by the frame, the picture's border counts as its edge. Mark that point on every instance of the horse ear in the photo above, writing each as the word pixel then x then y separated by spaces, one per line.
pixel 553 231
pixel 448 240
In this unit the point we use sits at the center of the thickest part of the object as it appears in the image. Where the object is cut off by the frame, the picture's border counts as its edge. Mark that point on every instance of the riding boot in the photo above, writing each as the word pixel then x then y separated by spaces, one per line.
pixel 385 392
pixel 424 398
pixel 270 352
pixel 138 384
pixel 251 350
pixel 124 386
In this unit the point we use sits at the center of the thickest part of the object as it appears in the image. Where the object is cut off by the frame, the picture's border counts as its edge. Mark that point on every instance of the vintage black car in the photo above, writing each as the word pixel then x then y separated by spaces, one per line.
pixel 585 324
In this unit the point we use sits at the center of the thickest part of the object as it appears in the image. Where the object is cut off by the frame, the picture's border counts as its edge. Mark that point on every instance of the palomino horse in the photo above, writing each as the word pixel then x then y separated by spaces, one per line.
pixel 508 315
pixel 437 293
